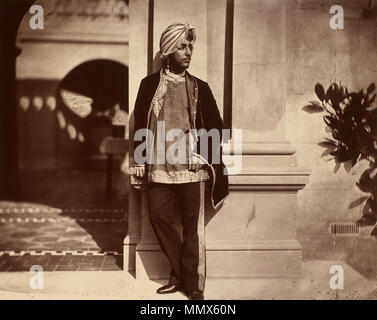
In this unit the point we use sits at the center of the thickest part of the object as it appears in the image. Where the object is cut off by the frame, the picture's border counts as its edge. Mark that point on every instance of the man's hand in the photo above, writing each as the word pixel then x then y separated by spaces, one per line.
pixel 195 167
pixel 139 171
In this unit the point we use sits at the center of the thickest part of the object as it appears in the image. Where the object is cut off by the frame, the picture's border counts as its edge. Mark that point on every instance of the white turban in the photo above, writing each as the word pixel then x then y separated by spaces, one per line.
pixel 172 37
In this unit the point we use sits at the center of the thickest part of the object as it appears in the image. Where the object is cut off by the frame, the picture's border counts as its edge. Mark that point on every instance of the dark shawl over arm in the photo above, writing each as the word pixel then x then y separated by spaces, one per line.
pixel 211 119
pixel 144 98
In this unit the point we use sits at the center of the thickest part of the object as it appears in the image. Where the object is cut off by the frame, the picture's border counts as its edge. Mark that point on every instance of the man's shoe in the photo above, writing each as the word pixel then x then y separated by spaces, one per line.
pixel 195 295
pixel 169 288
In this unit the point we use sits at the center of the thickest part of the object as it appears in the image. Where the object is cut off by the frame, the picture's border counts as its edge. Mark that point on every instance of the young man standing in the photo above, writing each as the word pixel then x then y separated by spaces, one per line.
pixel 167 101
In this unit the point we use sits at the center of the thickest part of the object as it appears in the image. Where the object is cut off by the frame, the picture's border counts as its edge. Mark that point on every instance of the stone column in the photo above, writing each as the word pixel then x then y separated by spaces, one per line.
pixel 254 235
pixel 138 57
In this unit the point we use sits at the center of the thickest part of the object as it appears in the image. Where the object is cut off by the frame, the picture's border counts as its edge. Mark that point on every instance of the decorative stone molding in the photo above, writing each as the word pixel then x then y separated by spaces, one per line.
pixel 93 21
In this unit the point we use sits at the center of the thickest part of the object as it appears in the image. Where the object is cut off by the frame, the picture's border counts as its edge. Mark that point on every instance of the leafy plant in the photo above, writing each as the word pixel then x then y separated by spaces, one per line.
pixel 351 117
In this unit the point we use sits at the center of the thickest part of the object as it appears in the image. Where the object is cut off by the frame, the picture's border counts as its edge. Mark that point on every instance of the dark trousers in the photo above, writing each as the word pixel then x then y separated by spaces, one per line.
pixel 187 257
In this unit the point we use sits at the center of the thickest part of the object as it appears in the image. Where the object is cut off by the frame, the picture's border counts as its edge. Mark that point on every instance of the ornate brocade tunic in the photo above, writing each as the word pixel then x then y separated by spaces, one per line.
pixel 175 115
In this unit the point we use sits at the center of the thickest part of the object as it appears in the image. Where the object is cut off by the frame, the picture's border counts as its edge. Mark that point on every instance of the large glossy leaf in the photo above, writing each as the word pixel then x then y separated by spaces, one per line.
pixel 327 152
pixel 330 146
pixel 371 88
pixel 336 97
pixel 328 94
pixel 320 91
pixel 341 155
pixel 344 91
pixel 367 214
pixel 313 108
pixel 362 164
pixel 337 166
pixel 373 204
pixel 374 231
pixel 328 143
pixel 365 182
pixel 357 202
pixel 331 122
pixel 348 165
pixel 369 103
pixel 344 134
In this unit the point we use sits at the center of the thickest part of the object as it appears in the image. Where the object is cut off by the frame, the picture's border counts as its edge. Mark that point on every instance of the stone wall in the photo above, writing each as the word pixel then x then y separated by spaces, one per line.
pixel 315 53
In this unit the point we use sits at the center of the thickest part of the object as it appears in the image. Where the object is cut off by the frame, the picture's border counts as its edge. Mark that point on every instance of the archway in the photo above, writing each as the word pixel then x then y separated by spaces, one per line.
pixel 62 58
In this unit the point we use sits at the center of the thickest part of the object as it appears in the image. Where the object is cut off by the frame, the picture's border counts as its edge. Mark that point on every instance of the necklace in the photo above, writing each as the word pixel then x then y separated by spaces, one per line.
pixel 175 78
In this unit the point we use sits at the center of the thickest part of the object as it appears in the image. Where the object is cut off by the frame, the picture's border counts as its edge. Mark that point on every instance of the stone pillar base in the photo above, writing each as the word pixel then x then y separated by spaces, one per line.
pixel 151 263
pixel 129 254
pixel 281 259
pixel 257 259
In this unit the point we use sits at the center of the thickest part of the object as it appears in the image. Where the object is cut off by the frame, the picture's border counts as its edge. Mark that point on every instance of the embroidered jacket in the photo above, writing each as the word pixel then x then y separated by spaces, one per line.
pixel 204 114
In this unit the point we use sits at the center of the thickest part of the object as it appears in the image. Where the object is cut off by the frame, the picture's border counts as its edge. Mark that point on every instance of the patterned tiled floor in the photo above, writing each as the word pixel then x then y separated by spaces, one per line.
pixel 66 262
pixel 75 226
pixel 67 234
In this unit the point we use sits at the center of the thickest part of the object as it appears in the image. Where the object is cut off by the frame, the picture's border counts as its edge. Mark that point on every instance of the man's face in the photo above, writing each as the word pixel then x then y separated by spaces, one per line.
pixel 181 58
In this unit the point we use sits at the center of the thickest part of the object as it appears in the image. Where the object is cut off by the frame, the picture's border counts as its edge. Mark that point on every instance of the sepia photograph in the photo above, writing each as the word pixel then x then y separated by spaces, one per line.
pixel 158 150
